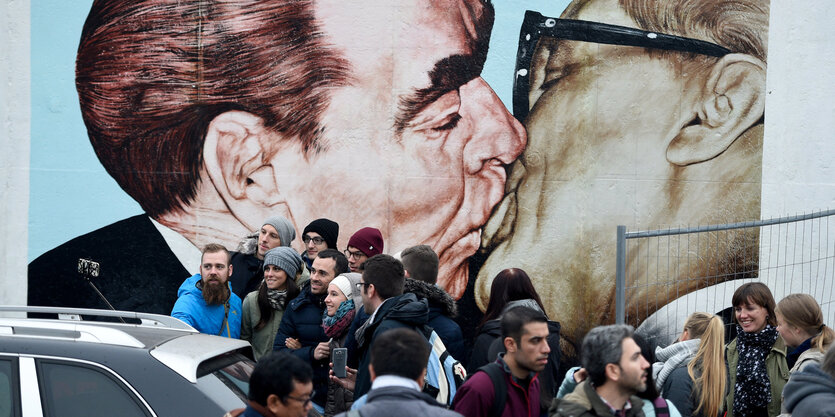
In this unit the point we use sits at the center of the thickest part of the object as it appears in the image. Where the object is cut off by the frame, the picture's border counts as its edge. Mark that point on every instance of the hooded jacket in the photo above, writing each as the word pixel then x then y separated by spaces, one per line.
pixel 399 311
pixel 192 309
pixel 407 402
pixel 442 309
pixel 810 392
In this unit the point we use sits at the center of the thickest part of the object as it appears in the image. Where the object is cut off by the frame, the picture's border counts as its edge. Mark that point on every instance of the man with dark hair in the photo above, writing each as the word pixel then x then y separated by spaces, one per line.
pixel 300 331
pixel 249 262
pixel 206 301
pixel 421 268
pixel 524 333
pixel 811 390
pixel 382 297
pixel 191 113
pixel 362 245
pixel 280 386
pixel 397 371
pixel 616 372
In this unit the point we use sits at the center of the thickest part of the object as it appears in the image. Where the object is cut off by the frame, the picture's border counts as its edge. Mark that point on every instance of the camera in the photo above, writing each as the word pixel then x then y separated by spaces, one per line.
pixel 88 268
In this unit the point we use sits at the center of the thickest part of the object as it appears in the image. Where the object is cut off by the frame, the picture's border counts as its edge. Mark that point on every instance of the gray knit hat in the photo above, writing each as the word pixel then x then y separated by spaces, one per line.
pixel 285 258
pixel 285 229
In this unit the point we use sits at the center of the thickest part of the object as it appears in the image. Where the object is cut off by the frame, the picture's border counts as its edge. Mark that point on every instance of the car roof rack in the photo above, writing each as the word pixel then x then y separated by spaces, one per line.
pixel 74 314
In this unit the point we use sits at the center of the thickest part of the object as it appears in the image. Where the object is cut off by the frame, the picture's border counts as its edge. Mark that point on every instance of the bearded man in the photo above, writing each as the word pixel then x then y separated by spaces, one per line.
pixel 206 301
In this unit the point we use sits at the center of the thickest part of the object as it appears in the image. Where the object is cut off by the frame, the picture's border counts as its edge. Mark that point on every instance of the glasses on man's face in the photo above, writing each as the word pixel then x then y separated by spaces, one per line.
pixel 536 26
pixel 317 240
pixel 351 254
pixel 305 401
pixel 361 285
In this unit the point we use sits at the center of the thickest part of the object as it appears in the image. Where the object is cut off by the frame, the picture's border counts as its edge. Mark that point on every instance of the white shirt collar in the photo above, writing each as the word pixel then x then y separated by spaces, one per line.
pixel 185 251
pixel 394 381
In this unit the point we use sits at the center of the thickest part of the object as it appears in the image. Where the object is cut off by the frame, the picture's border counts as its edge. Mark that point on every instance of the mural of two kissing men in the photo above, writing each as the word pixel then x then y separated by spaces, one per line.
pixel 215 115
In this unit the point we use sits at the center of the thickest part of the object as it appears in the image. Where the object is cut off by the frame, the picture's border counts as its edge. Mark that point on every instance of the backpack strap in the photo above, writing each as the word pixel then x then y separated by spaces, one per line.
pixel 661 407
pixel 497 377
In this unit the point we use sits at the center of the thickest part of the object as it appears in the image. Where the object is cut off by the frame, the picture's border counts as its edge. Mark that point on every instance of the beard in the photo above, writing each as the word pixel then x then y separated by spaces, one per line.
pixel 215 293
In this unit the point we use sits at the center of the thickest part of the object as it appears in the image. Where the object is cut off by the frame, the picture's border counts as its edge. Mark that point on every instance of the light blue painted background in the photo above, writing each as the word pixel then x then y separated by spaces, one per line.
pixel 70 192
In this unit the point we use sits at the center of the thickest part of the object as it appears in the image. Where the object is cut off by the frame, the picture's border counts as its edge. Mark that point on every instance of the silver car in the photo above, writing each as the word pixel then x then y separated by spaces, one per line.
pixel 115 363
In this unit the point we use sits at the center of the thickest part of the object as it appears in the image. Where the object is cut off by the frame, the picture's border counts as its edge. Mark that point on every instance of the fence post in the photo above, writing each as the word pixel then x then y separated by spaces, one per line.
pixel 620 278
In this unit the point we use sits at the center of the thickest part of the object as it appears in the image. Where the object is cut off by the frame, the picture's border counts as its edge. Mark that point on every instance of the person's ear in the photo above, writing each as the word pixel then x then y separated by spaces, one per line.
pixel 371 372
pixel 274 404
pixel 509 345
pixel 733 100
pixel 230 269
pixel 422 379
pixel 236 155
pixel 612 371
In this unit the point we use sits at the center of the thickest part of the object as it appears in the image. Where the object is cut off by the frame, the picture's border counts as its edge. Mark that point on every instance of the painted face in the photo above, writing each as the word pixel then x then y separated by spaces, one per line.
pixel 596 158
pixel 751 316
pixel 275 277
pixel 355 258
pixel 633 367
pixel 215 268
pixel 533 350
pixel 418 141
pixel 322 274
pixel 267 239
pixel 313 243
pixel 334 298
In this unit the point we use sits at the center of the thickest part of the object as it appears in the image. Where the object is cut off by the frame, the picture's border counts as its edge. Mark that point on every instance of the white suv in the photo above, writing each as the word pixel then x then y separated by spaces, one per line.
pixel 117 364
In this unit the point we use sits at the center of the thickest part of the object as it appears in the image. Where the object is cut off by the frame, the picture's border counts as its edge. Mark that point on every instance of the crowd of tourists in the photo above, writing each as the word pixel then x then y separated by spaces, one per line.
pixel 360 332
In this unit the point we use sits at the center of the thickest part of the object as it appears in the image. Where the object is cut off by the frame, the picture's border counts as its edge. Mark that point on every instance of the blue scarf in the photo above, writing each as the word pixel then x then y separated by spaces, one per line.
pixel 339 323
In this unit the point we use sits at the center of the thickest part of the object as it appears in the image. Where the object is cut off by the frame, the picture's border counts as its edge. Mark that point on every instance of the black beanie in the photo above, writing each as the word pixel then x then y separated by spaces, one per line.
pixel 328 229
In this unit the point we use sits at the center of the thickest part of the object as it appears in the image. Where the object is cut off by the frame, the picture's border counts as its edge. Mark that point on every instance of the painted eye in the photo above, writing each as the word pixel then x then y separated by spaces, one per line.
pixel 451 123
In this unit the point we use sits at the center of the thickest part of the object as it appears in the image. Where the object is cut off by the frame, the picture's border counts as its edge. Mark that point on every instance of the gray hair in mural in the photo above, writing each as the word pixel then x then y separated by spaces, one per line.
pixel 656 124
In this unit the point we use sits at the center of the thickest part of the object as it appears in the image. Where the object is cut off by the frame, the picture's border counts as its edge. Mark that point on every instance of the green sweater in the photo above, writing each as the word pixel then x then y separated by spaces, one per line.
pixel 261 340
pixel 776 367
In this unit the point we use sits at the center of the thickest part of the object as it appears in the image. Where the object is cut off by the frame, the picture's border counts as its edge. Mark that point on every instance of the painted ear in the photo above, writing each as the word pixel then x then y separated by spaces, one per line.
pixel 237 159
pixel 733 101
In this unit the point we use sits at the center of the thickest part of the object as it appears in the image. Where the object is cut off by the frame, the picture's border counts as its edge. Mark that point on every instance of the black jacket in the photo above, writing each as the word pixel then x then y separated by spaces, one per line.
pixel 247 273
pixel 139 272
pixel 442 310
pixel 302 320
pixel 400 311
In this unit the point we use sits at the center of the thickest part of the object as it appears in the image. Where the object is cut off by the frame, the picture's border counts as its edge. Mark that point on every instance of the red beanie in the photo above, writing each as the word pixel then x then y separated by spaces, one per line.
pixel 368 240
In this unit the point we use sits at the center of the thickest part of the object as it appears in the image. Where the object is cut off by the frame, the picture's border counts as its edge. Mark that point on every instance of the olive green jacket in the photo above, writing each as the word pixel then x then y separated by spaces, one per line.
pixel 776 367
pixel 261 340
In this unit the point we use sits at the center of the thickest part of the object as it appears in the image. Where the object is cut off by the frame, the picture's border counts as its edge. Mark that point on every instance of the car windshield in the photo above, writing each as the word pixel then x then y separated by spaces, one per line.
pixel 225 379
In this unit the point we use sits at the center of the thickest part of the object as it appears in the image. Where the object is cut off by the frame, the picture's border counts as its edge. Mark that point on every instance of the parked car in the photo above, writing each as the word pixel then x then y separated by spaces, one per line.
pixel 148 365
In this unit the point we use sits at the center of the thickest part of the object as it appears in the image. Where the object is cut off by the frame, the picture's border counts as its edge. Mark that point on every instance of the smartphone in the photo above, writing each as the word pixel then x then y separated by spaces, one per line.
pixel 340 358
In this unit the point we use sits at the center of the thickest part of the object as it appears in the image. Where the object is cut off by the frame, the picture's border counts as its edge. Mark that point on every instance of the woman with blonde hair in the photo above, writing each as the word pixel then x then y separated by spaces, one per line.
pixel 800 324
pixel 691 373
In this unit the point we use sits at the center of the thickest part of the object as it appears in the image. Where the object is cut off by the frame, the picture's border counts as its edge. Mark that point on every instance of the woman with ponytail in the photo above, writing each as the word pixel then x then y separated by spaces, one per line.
pixel 691 373
pixel 264 307
pixel 800 323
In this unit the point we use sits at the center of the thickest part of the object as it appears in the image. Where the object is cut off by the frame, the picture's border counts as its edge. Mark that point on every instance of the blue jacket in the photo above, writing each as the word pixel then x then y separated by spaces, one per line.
pixel 302 320
pixel 192 309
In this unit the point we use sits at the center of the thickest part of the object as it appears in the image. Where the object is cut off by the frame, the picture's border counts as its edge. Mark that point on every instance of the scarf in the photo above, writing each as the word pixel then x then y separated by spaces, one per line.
pixel 752 389
pixel 671 357
pixel 277 299
pixel 338 324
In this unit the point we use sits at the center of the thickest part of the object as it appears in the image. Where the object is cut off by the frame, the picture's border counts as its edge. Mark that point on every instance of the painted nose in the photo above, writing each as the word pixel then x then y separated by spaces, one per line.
pixel 496 135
